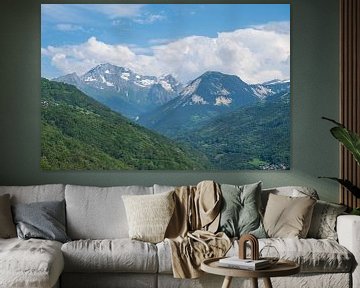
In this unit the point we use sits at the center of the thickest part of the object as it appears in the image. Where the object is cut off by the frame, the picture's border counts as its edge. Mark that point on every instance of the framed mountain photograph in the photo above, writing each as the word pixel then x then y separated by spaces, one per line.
pixel 165 87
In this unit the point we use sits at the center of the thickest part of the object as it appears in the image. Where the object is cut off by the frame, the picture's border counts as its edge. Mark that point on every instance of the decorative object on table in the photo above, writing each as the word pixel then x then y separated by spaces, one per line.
pixel 254 246
pixel 248 264
pixel 351 142
pixel 241 261
pixel 269 253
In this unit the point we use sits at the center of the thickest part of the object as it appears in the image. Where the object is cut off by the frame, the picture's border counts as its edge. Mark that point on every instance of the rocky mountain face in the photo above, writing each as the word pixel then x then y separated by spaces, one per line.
pixel 210 95
pixel 124 90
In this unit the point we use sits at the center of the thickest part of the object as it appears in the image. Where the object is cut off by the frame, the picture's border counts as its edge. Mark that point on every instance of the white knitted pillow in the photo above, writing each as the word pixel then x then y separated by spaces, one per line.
pixel 149 215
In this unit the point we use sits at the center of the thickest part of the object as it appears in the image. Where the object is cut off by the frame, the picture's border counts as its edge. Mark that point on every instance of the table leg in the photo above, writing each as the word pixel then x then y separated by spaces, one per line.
pixel 254 282
pixel 267 283
pixel 227 282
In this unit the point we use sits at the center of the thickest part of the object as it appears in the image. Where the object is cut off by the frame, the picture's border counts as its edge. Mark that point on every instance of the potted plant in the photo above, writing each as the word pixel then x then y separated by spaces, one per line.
pixel 351 141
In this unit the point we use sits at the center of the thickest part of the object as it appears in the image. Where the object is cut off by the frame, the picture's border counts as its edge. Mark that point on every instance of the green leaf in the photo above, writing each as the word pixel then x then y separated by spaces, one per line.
pixel 347 184
pixel 348 138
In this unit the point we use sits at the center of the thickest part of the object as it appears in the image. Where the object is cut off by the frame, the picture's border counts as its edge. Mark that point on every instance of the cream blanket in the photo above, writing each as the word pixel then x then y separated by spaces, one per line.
pixel 191 231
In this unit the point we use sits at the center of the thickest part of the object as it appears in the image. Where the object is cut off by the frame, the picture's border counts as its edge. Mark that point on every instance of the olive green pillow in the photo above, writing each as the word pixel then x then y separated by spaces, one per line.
pixel 288 217
pixel 240 213
pixel 7 226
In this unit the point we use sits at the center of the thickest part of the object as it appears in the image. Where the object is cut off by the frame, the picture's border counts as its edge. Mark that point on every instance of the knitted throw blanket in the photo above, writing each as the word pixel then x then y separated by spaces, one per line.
pixel 191 232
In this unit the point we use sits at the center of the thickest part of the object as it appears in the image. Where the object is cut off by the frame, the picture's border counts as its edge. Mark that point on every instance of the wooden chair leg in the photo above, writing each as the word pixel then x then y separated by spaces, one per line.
pixel 227 282
pixel 254 282
pixel 267 283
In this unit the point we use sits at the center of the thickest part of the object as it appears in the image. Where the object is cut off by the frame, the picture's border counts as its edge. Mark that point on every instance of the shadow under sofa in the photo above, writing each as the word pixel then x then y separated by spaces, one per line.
pixel 102 255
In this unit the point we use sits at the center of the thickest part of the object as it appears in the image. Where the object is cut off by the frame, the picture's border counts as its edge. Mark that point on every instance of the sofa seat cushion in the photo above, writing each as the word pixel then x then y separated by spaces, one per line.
pixel 313 255
pixel 30 263
pixel 115 255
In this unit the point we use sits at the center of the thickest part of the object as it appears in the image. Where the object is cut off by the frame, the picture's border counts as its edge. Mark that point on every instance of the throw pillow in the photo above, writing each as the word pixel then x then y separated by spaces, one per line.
pixel 323 222
pixel 149 215
pixel 43 220
pixel 240 213
pixel 7 226
pixel 288 217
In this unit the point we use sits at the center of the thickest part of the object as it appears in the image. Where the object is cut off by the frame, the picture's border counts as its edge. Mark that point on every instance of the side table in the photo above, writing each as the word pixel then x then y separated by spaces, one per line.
pixel 281 268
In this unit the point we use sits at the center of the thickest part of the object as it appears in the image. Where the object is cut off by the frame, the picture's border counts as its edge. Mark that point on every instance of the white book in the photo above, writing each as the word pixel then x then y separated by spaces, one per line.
pixel 236 262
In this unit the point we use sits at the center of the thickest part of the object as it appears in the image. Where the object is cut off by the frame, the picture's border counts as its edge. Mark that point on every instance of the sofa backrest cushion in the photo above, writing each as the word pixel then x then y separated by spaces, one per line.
pixel 163 188
pixel 292 191
pixel 98 212
pixel 36 193
pixel 288 217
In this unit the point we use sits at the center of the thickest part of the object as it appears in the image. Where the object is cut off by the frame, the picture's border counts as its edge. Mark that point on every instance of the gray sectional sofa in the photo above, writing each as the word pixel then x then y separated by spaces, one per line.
pixel 101 254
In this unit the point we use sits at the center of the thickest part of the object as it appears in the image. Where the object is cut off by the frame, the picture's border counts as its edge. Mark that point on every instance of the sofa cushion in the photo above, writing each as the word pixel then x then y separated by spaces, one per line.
pixel 43 220
pixel 240 210
pixel 36 193
pixel 30 263
pixel 116 255
pixel 98 213
pixel 313 255
pixel 149 215
pixel 287 216
pixel 7 226
pixel 323 222
pixel 291 191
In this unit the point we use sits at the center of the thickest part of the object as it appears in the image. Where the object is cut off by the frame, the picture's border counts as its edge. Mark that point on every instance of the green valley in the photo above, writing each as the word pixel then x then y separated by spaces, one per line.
pixel 252 137
pixel 79 133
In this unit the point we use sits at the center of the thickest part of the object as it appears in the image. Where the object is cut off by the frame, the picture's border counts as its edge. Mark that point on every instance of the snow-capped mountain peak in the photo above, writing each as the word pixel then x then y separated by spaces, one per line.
pixel 109 83
pixel 271 87
pixel 217 89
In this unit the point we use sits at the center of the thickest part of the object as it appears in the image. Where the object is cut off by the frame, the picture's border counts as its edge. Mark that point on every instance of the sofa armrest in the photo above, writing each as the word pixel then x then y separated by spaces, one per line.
pixel 348 230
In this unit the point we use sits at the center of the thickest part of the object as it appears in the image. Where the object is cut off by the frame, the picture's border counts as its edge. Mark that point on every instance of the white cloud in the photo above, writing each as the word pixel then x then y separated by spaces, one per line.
pixel 280 27
pixel 255 54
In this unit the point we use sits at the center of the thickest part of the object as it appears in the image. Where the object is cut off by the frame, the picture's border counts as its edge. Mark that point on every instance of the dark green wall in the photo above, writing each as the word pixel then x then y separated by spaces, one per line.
pixel 314 80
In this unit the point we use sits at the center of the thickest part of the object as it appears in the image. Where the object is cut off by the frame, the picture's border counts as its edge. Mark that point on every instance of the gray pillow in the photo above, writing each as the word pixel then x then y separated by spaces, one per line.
pixel 44 220
pixel 323 222
pixel 7 227
pixel 240 213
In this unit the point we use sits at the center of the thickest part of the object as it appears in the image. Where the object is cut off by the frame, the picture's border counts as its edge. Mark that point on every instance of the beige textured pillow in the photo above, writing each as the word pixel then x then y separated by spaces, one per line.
pixel 149 215
pixel 288 217
pixel 7 226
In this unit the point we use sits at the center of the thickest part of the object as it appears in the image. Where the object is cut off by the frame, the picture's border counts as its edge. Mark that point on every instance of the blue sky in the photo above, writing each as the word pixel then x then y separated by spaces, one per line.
pixel 76 36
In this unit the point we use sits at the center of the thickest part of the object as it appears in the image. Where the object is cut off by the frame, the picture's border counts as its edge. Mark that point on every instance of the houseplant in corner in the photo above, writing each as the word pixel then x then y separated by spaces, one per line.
pixel 351 141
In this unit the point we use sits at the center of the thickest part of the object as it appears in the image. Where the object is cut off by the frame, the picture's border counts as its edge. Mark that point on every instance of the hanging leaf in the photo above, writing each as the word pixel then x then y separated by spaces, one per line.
pixel 349 139
pixel 347 184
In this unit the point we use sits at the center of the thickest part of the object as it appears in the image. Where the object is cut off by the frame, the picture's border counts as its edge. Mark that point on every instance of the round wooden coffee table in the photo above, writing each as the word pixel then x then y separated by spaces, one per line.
pixel 281 268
